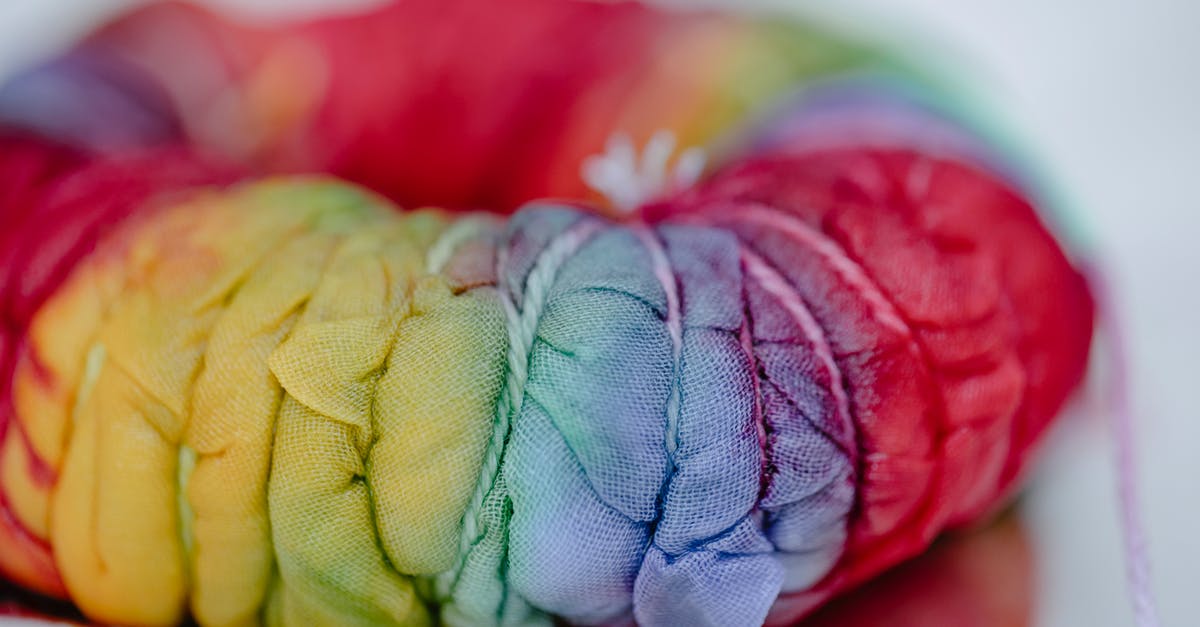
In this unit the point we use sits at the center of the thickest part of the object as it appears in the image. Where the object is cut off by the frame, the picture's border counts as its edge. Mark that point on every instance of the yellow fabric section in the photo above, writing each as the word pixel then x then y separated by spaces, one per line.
pixel 115 526
pixel 330 368
pixel 61 335
pixel 46 382
pixel 233 416
pixel 434 405
pixel 265 408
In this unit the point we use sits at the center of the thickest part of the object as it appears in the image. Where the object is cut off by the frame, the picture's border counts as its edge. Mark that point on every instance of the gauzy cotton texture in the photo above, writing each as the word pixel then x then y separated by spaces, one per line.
pixel 286 401
pixel 290 402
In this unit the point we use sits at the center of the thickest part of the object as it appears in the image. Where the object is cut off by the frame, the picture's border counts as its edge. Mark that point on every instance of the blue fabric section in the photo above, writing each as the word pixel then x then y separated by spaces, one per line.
pixel 586 462
pixel 710 586
pixel 710 563
pixel 673 457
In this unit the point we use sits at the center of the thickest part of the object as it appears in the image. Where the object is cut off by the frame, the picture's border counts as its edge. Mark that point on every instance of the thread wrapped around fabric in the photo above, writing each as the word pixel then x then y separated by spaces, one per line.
pixel 288 398
pixel 287 401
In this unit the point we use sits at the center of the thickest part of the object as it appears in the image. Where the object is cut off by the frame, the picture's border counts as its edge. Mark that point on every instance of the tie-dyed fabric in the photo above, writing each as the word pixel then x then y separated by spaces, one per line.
pixel 285 400
pixel 456 103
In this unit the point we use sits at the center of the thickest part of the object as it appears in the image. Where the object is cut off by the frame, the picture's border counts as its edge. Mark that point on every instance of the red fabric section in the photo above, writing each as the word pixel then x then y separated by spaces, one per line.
pixel 440 121
pixel 1000 319
pixel 429 102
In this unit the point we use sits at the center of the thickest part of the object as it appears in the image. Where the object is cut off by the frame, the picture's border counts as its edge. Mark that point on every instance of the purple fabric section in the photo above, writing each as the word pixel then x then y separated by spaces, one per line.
pixel 92 100
pixel 678 452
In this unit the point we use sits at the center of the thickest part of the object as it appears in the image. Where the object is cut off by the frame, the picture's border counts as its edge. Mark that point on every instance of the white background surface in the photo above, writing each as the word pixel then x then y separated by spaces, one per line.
pixel 1108 94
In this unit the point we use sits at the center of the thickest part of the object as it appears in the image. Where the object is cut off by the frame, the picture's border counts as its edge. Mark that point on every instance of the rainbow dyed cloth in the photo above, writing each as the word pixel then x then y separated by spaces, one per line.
pixel 287 401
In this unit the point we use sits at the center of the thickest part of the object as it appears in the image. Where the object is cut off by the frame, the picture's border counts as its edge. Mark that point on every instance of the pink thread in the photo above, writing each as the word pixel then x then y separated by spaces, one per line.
pixel 777 286
pixel 662 271
pixel 882 309
pixel 1137 558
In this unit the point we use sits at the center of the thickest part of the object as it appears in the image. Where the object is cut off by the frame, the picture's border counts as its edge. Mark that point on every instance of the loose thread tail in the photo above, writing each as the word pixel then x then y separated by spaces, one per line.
pixel 1137 558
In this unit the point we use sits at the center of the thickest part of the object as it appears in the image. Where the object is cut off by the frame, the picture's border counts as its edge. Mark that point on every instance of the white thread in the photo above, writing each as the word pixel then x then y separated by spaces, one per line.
pixel 451 238
pixel 771 281
pixel 522 329
pixel 629 180
pixel 662 271
pixel 849 270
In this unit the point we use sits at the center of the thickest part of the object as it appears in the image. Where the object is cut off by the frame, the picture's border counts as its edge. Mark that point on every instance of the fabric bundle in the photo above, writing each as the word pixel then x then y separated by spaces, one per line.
pixel 243 398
